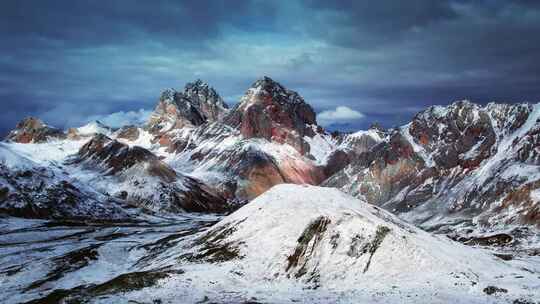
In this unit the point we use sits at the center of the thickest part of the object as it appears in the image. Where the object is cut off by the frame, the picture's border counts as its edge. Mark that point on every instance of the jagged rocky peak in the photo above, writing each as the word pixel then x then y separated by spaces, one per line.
pixel 269 110
pixel 362 141
pixel 507 118
pixel 197 104
pixel 459 134
pixel 208 101
pixel 34 130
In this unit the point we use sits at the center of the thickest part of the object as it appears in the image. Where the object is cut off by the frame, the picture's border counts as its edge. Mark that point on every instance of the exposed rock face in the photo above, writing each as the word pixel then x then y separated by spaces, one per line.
pixel 270 111
pixel 240 168
pixel 459 135
pixel 116 157
pixel 131 133
pixel 206 100
pixel 250 147
pixel 197 104
pixel 142 178
pixel 463 163
pixel 33 130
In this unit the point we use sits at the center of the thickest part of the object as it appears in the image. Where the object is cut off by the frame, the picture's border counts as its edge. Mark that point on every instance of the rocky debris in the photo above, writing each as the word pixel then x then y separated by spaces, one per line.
pixel 197 104
pixel 270 111
pixel 493 289
pixel 501 239
pixel 33 130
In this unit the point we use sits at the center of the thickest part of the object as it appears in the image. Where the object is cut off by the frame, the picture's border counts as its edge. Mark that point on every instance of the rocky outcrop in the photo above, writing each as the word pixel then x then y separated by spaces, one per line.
pixel 33 130
pixel 270 111
pixel 130 133
pixel 197 104
pixel 206 100
pixel 459 135
pixel 141 178
pixel 115 157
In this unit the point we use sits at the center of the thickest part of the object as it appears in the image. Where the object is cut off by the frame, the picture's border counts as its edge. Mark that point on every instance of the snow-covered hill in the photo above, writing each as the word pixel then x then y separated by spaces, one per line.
pixel 318 245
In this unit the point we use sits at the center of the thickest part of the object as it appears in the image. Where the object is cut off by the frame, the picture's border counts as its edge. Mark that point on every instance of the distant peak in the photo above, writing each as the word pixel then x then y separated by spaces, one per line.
pixel 376 126
pixel 198 83
pixel 31 122
pixel 464 103
pixel 265 82
pixel 168 95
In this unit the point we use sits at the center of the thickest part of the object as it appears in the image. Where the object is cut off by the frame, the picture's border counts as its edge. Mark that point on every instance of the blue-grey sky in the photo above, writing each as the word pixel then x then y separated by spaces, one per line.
pixel 360 61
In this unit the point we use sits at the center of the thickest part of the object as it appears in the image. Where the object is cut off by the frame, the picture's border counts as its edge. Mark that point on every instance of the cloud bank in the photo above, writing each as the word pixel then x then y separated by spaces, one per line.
pixel 121 118
pixel 340 115
pixel 61 59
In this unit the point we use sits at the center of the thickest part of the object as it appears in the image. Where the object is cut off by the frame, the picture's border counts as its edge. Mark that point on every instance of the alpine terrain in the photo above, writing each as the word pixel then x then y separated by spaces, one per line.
pixel 257 203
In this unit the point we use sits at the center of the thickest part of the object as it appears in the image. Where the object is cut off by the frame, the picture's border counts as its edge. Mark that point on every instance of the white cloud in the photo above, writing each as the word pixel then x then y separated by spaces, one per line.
pixel 340 114
pixel 122 118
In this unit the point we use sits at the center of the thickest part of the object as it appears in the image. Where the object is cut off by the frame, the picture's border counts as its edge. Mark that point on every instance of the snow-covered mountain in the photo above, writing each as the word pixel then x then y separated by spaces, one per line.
pixel 31 190
pixel 464 171
pixel 463 168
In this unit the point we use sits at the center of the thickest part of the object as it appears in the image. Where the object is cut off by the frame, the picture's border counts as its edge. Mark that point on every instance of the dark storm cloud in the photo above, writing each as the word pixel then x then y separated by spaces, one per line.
pixel 67 61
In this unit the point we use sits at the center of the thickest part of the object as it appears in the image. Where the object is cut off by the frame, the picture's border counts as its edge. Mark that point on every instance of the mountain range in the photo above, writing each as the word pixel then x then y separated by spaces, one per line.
pixel 462 173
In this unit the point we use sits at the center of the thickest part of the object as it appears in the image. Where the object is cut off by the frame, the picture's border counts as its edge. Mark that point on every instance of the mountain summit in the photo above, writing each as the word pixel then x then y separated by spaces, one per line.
pixel 197 104
pixel 269 110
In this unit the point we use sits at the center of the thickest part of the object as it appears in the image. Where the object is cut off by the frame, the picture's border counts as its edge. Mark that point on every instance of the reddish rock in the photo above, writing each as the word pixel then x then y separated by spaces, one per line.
pixel 270 111
pixel 33 130
pixel 130 133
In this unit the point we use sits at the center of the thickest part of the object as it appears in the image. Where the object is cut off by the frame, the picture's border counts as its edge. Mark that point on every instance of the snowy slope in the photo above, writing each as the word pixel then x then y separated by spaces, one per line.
pixel 33 188
pixel 297 238
pixel 94 127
